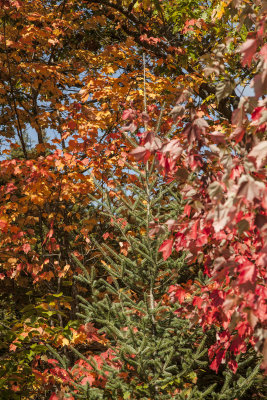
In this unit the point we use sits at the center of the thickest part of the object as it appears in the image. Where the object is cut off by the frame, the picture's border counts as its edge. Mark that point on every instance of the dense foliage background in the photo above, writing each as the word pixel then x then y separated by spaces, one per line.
pixel 133 199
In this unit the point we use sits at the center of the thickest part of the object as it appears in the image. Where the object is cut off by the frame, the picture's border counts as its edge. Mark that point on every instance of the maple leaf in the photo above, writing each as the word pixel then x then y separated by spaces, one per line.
pixel 239 115
pixel 256 114
pixel 187 210
pixel 105 235
pixel 223 89
pixel 238 345
pixel 3 224
pixel 247 272
pixel 177 111
pixel 197 301
pixel 150 40
pixel 215 190
pixel 238 134
pixel 247 51
pixel 88 379
pixel 263 52
pixel 54 397
pixel 217 360
pixel 185 94
pixel 259 154
pixel 140 153
pixel 173 148
pixel 128 114
pixel 249 188
pixel 171 224
pixel 217 137
pixel 232 364
pixel 26 248
pixel 222 214
pixel 151 142
pixel 259 83
pixel 155 228
pixel 190 23
pixel 12 347
pixel 166 248
pixel 194 130
pixel 178 293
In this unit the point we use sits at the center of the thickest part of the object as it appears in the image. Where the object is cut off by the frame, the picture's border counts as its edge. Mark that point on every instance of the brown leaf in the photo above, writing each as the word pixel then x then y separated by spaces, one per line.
pixel 195 129
pixel 223 90
pixel 249 188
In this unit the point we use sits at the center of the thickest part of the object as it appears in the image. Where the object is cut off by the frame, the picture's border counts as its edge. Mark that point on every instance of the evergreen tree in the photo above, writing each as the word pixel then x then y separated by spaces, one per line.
pixel 151 353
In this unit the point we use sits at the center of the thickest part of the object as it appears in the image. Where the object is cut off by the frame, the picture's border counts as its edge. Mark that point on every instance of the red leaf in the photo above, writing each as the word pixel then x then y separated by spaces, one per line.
pixel 53 397
pixel 72 125
pixel 10 187
pixel 150 40
pixel 52 361
pixel 172 224
pixel 140 153
pixel 256 113
pixel 247 272
pixel 187 210
pixel 238 134
pixel 188 26
pixel 105 235
pixel 177 292
pixel 128 114
pixel 217 360
pixel 166 248
pixel 239 115
pixel 180 295
pixel 151 142
pixel 197 302
pixel 3 224
pixel 26 248
pixel 195 129
pixel 173 148
pixel 233 365
pixel 263 52
pixel 194 230
pixel 88 379
pixel 238 345
pixel 248 50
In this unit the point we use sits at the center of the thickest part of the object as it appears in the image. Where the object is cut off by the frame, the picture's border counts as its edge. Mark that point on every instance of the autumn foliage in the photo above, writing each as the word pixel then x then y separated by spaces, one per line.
pixel 92 93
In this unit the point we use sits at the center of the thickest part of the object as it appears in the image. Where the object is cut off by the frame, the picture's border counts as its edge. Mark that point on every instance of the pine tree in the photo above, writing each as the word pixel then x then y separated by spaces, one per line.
pixel 153 349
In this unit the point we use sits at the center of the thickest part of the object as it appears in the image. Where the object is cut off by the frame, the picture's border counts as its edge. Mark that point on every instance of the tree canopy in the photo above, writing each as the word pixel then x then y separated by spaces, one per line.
pixel 133 188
